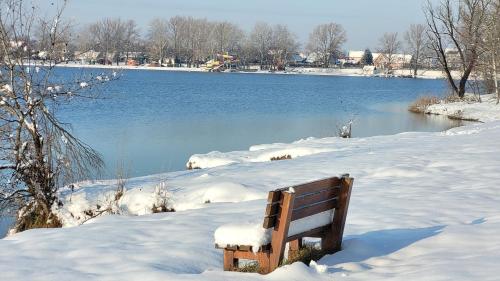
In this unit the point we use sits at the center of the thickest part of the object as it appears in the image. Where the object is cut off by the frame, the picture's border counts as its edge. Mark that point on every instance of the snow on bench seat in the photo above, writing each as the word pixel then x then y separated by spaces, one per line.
pixel 249 234
pixel 254 235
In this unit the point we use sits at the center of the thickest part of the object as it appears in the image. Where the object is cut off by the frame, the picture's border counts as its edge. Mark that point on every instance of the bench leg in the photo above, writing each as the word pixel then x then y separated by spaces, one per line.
pixel 294 248
pixel 332 241
pixel 230 263
pixel 264 262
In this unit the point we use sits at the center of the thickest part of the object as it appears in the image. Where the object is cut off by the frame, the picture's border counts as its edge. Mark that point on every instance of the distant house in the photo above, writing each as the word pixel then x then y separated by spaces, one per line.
pixel 313 58
pixel 88 57
pixel 317 59
pixel 297 58
pixel 354 57
pixel 397 61
pixel 453 57
pixel 380 60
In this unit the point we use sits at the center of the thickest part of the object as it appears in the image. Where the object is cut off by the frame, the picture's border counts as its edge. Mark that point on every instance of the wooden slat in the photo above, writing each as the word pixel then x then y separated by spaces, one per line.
pixel 317 232
pixel 245 248
pixel 308 199
pixel 272 209
pixel 269 222
pixel 316 186
pixel 245 255
pixel 274 196
pixel 314 209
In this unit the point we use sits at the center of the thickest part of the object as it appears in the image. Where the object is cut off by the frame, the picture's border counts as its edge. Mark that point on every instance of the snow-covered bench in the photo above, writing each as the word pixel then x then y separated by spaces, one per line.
pixel 315 209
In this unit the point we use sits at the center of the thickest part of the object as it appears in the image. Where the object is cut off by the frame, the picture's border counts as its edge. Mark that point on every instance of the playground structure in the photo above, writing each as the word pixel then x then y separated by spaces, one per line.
pixel 220 63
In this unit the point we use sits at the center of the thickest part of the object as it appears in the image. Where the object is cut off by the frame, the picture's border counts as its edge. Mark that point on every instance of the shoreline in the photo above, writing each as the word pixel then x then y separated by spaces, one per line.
pixel 341 72
pixel 485 110
pixel 206 199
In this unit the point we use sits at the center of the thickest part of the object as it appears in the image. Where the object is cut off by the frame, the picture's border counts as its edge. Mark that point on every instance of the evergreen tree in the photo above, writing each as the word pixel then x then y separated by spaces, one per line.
pixel 367 58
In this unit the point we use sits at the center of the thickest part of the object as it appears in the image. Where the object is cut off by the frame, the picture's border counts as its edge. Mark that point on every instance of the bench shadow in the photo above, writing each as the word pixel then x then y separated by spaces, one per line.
pixel 358 248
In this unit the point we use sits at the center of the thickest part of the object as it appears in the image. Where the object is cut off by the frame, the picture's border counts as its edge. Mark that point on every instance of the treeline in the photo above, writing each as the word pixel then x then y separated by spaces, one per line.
pixel 192 41
pixel 188 40
pixel 458 36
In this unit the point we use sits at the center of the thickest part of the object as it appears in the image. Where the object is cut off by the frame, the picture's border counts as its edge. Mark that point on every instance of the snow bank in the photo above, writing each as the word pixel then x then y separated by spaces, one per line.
pixel 485 111
pixel 263 153
pixel 424 207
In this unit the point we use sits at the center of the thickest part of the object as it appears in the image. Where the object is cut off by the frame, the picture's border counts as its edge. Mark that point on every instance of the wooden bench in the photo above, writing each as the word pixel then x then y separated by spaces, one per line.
pixel 295 206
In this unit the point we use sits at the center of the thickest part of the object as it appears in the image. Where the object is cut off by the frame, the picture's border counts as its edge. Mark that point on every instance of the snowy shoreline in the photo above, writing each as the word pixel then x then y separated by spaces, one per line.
pixel 484 111
pixel 348 72
pixel 414 201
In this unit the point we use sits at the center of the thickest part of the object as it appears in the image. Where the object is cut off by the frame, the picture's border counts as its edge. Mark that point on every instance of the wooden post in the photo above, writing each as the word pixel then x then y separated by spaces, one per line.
pixel 280 231
pixel 229 261
pixel 264 259
pixel 294 249
pixel 332 241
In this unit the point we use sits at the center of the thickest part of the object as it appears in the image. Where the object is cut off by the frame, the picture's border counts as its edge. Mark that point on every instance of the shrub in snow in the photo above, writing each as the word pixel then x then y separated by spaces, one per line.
pixel 278 158
pixel 422 103
pixel 346 130
pixel 162 198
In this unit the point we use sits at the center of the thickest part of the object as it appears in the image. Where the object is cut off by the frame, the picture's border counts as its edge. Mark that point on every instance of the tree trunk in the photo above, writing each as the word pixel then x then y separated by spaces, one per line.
pixel 495 77
pixel 415 65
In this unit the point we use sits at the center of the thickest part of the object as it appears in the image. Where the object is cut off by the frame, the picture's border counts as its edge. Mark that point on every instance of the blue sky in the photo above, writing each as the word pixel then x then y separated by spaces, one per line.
pixel 364 20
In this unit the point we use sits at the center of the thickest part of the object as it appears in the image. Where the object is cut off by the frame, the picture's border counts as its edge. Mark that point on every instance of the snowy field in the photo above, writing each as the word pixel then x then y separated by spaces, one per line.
pixel 425 206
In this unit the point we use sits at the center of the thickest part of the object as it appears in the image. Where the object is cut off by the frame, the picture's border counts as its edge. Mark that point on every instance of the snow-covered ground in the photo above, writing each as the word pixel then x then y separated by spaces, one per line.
pixel 487 110
pixel 425 206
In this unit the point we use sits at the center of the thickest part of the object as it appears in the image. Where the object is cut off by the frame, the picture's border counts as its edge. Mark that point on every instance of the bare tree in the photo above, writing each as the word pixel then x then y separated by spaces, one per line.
pixel 130 37
pixel 417 43
pixel 326 41
pixel 389 46
pixel 227 36
pixel 489 59
pixel 283 44
pixel 44 41
pixel 460 25
pixel 174 28
pixel 158 39
pixel 102 38
pixel 260 39
pixel 38 154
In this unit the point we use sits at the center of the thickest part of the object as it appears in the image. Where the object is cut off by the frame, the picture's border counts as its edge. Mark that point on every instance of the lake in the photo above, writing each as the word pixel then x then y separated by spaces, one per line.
pixel 152 121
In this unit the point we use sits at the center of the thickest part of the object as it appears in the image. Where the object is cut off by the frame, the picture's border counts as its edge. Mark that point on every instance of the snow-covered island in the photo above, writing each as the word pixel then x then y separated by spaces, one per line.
pixel 425 206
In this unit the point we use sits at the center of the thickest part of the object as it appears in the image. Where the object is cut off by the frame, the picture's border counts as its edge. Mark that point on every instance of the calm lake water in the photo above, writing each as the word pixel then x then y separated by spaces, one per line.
pixel 152 121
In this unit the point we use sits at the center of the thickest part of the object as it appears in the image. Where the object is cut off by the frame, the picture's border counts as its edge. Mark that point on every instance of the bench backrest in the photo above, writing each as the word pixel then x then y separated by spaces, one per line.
pixel 310 199
pixel 315 209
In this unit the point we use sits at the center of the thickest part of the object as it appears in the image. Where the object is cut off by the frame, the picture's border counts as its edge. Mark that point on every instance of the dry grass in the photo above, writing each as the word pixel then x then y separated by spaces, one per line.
pixel 468 98
pixel 251 267
pixel 422 103
pixel 305 255
pixel 279 158
pixel 191 167
pixel 161 209
pixel 459 116
pixel 35 219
